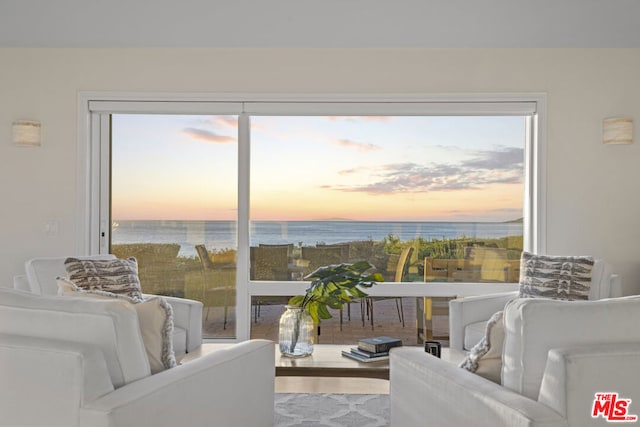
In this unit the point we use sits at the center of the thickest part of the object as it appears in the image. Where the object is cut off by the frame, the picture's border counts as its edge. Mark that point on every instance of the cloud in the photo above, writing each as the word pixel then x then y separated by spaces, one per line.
pixel 486 167
pixel 360 146
pixel 348 171
pixel 225 121
pixel 206 135
pixel 497 159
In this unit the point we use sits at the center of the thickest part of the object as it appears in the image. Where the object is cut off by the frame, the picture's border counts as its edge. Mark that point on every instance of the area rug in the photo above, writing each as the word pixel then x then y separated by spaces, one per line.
pixel 331 410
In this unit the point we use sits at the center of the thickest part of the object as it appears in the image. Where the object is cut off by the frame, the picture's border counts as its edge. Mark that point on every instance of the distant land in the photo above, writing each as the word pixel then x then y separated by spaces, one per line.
pixel 337 219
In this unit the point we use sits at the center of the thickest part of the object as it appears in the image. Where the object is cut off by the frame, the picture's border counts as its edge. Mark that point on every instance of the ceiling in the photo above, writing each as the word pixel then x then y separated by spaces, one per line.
pixel 320 23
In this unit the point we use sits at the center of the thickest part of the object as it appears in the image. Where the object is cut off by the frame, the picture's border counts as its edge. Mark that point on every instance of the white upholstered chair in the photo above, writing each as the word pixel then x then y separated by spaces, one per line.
pixel 468 316
pixel 556 356
pixel 73 361
pixel 40 278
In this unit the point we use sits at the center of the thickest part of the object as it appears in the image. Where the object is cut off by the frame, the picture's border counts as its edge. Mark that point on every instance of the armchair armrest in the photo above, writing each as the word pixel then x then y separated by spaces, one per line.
pixel 230 387
pixel 187 314
pixel 610 368
pixel 427 391
pixel 463 311
pixel 44 380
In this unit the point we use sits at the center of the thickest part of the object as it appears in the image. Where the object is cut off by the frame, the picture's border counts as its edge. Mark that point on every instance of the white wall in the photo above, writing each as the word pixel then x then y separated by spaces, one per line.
pixel 592 204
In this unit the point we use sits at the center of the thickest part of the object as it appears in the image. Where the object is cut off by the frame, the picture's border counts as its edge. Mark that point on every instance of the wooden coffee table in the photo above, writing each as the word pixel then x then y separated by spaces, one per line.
pixel 326 361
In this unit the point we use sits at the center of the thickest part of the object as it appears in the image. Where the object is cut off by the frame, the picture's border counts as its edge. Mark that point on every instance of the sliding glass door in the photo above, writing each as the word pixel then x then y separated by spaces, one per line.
pixel 174 207
pixel 234 203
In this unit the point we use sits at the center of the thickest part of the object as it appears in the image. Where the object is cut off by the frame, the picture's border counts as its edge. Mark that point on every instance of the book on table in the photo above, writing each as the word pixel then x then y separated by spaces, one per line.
pixel 368 354
pixel 372 349
pixel 378 344
pixel 365 359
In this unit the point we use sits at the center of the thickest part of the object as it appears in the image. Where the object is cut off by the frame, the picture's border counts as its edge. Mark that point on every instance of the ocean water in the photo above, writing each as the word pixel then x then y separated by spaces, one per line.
pixel 222 234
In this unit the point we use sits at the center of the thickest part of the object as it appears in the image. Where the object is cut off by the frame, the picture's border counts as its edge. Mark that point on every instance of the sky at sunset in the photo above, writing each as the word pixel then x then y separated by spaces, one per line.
pixel 313 168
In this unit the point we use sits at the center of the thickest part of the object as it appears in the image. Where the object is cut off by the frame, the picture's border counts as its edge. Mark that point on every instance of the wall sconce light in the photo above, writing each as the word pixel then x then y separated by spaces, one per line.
pixel 26 133
pixel 617 130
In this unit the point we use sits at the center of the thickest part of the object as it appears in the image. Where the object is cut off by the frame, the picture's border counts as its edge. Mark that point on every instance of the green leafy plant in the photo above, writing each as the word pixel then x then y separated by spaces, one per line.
pixel 331 287
pixel 334 285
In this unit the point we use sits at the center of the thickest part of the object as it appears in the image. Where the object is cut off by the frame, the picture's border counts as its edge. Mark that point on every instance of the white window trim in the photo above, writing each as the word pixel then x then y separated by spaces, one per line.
pixel 90 167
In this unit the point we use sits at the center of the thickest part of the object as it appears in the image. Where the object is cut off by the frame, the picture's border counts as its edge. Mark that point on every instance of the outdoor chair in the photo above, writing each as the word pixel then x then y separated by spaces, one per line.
pixel 157 266
pixel 479 264
pixel 319 256
pixel 210 290
pixel 402 268
pixel 269 262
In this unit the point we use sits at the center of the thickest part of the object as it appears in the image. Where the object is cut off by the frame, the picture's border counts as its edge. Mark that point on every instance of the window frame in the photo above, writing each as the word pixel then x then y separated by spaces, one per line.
pixel 93 181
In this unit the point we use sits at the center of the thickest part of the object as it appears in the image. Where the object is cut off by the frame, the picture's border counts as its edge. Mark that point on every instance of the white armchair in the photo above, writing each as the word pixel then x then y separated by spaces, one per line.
pixel 468 316
pixel 73 361
pixel 557 356
pixel 40 278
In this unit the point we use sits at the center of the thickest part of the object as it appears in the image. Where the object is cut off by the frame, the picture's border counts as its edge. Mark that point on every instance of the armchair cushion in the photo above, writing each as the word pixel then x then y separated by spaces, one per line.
pixel 155 319
pixel 119 276
pixel 110 325
pixel 556 277
pixel 534 326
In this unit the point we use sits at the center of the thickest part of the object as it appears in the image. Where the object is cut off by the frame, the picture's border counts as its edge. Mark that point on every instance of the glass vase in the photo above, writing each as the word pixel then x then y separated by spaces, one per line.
pixel 296 332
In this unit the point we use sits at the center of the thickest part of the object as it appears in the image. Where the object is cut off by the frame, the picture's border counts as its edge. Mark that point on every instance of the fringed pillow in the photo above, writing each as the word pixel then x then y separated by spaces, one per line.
pixel 485 358
pixel 155 317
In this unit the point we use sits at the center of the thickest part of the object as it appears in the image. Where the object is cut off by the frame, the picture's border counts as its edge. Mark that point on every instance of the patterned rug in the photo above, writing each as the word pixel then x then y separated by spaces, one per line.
pixel 331 410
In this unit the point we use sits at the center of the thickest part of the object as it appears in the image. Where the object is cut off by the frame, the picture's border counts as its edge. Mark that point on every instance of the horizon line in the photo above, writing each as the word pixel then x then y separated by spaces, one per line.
pixel 516 220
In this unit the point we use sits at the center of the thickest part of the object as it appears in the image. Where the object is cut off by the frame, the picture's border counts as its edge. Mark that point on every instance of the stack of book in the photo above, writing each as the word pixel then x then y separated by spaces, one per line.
pixel 372 349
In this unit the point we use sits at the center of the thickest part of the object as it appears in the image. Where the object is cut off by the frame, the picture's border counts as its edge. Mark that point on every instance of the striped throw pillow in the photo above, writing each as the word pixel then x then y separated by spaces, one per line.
pixel 118 276
pixel 556 277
